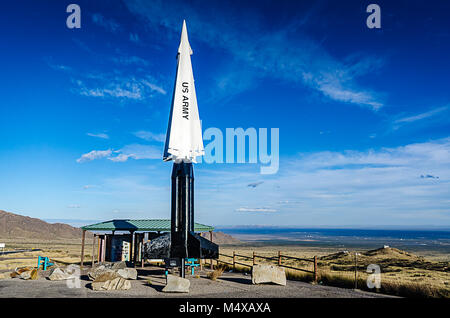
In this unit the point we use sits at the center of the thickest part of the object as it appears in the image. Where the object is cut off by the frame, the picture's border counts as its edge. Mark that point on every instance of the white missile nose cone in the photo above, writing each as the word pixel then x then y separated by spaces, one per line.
pixel 184 41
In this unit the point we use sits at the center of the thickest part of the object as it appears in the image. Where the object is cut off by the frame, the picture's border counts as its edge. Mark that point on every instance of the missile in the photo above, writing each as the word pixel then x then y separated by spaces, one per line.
pixel 183 144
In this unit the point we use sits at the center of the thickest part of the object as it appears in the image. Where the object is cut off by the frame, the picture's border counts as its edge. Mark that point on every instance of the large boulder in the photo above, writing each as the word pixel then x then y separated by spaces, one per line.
pixel 106 275
pixel 268 274
pixel 23 272
pixel 59 274
pixel 176 284
pixel 158 247
pixel 127 273
pixel 73 269
pixel 118 265
pixel 117 283
pixel 103 267
pixel 102 271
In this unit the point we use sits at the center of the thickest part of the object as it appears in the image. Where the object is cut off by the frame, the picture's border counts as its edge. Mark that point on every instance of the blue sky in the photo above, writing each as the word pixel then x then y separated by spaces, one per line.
pixel 363 114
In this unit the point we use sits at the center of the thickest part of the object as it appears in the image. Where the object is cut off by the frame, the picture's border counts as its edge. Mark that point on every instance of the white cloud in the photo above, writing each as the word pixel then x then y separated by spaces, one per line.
pixel 245 209
pixel 422 116
pixel 119 158
pixel 408 184
pixel 284 53
pixel 134 151
pixel 138 151
pixel 149 136
pixel 117 86
pixel 99 135
pixel 94 154
pixel 74 206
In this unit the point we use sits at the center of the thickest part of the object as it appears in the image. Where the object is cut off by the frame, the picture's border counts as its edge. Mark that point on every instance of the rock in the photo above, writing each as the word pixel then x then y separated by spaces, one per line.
pixel 25 275
pixel 176 284
pixel 106 275
pixel 127 273
pixel 73 269
pixel 26 271
pixel 117 283
pixel 34 274
pixel 100 269
pixel 119 265
pixel 59 274
pixel 268 274
pixel 158 247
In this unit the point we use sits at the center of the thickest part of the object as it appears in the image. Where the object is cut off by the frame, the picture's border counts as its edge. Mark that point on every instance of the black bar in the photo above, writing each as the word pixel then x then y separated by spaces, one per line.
pixel 299 259
pixel 182 212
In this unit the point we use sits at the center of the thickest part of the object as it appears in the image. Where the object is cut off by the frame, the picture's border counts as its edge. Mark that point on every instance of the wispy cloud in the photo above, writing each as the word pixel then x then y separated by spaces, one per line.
pixel 89 186
pixel 94 154
pixel 138 152
pixel 246 209
pixel 118 86
pixel 107 23
pixel 74 206
pixel 421 116
pixel 149 136
pixel 286 53
pixel 134 38
pixel 99 135
pixel 133 151
pixel 375 186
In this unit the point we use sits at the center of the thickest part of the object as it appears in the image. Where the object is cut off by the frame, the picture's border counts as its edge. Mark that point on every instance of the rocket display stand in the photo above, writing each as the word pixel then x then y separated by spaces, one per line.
pixel 185 243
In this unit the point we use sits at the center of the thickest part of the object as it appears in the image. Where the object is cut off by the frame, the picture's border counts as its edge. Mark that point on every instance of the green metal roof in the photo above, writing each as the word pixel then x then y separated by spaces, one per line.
pixel 140 225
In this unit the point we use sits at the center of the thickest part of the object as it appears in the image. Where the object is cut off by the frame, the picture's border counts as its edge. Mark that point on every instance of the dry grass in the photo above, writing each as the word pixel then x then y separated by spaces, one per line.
pixel 62 253
pixel 403 274
pixel 216 273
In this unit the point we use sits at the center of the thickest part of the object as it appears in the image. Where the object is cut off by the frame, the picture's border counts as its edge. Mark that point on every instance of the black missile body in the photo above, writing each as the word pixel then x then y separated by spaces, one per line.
pixel 185 243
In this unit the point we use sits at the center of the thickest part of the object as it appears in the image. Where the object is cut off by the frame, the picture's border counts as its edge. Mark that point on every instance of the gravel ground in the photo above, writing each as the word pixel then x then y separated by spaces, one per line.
pixel 229 285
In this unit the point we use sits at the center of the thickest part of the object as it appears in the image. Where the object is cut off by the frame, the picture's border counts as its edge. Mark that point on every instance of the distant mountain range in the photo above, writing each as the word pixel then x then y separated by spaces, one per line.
pixel 15 226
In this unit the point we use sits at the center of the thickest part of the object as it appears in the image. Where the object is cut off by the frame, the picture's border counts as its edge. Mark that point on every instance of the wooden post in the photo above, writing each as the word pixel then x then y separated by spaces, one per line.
pixel 131 248
pixel 356 271
pixel 234 260
pixel 141 250
pixel 98 250
pixel 315 269
pixel 93 251
pixel 82 248
pixel 253 257
pixel 279 258
pixel 211 239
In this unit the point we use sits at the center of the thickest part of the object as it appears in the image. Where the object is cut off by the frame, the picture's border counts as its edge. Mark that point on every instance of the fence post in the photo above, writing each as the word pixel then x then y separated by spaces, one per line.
pixel 253 257
pixel 315 269
pixel 279 258
pixel 356 271
pixel 234 260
